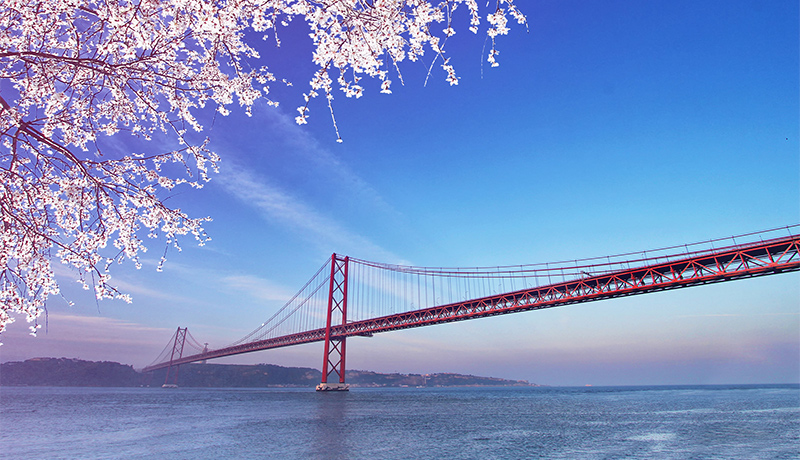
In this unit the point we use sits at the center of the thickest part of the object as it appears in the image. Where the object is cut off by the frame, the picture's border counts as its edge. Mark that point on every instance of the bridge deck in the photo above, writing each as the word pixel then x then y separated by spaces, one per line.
pixel 726 264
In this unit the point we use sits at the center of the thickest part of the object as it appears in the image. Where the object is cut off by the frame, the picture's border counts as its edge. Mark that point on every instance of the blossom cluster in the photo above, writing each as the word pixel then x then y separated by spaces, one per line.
pixel 73 70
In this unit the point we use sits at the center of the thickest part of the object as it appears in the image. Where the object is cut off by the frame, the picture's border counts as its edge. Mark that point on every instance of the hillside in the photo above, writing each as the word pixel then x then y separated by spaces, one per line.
pixel 66 372
pixel 74 372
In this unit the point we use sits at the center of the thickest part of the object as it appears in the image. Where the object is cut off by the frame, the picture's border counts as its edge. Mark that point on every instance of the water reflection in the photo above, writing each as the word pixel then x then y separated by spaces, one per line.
pixel 331 436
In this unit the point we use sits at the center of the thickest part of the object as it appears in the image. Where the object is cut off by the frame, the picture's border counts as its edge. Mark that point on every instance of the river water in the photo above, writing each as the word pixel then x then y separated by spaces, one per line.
pixel 693 422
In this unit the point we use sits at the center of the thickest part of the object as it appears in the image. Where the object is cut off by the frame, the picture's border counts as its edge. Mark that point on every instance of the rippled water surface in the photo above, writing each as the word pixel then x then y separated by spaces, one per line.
pixel 747 422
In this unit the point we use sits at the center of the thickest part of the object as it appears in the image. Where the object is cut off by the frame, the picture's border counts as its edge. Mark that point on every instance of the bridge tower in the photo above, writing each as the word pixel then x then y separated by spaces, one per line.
pixel 334 357
pixel 177 353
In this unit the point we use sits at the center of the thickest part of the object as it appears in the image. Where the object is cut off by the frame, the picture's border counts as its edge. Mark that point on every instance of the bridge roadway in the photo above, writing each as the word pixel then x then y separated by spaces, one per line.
pixel 756 259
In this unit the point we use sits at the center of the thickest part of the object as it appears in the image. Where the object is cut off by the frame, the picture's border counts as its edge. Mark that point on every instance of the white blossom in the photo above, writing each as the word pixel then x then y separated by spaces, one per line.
pixel 74 70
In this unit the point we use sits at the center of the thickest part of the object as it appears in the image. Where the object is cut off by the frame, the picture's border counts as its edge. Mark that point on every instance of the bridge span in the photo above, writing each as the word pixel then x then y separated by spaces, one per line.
pixel 351 297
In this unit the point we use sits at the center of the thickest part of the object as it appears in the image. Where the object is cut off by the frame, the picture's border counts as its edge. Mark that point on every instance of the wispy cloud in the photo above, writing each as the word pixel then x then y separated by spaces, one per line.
pixel 136 289
pixel 256 287
pixel 65 327
pixel 264 178
pixel 103 322
pixel 67 276
pixel 310 149
pixel 281 207
pixel 238 284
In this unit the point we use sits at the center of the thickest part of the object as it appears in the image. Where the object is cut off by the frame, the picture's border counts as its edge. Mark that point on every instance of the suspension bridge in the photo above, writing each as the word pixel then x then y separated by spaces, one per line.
pixel 350 297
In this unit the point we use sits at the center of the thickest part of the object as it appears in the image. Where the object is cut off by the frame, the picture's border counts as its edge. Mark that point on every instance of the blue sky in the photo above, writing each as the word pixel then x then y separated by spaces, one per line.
pixel 609 127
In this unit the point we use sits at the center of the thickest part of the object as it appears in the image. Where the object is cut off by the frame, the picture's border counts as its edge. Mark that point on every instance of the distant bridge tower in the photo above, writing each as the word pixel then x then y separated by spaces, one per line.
pixel 177 353
pixel 335 340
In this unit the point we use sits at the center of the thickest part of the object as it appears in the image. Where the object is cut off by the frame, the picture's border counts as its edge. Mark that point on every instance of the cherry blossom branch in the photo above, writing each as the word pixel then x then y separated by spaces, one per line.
pixel 72 71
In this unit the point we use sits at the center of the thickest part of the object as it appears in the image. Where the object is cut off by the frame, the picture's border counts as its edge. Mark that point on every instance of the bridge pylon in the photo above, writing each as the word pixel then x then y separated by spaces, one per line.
pixel 177 353
pixel 333 362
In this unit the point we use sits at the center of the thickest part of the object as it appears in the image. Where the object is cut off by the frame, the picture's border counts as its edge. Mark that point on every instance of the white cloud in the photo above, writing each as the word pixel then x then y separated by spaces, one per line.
pixel 278 206
pixel 135 289
pixel 259 288
pixel 308 147
pixel 246 174
pixel 67 277
pixel 102 322
pixel 70 328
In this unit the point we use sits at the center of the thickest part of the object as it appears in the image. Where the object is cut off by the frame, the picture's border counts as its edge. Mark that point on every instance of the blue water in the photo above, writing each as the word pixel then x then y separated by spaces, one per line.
pixel 714 422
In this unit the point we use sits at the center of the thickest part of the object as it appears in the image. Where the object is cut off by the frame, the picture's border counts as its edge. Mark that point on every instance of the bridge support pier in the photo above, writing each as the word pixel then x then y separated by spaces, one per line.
pixel 333 387
pixel 333 363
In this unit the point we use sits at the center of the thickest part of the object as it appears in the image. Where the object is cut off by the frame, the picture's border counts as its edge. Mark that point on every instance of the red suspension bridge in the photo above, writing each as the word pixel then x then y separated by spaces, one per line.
pixel 352 297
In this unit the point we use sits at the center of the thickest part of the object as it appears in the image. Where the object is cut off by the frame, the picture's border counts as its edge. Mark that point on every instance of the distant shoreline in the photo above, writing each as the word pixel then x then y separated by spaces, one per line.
pixel 71 372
